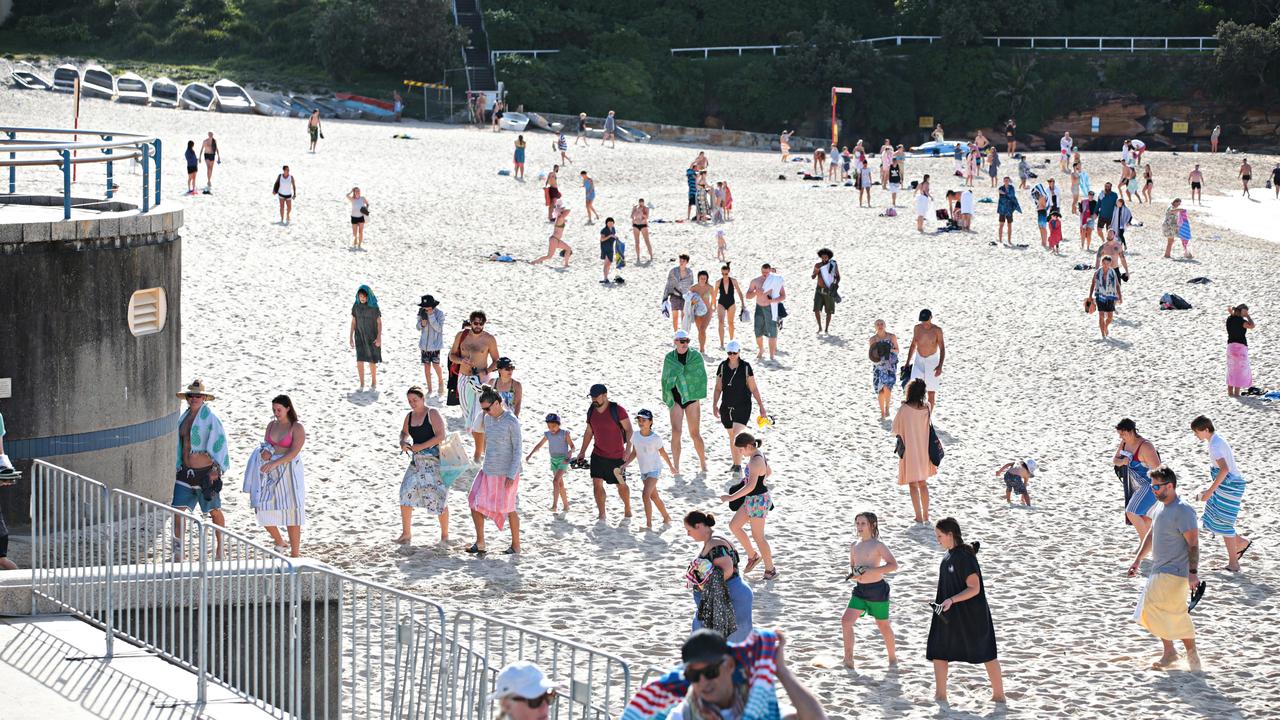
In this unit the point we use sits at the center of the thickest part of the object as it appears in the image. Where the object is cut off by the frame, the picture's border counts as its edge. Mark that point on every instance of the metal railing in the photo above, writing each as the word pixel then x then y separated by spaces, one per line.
pixel 598 684
pixel 296 640
pixel 65 155
pixel 494 55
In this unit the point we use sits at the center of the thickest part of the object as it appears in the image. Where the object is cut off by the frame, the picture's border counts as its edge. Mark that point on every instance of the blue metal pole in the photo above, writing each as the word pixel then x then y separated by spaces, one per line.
pixel 158 175
pixel 146 176
pixel 66 184
pixel 13 169
pixel 109 164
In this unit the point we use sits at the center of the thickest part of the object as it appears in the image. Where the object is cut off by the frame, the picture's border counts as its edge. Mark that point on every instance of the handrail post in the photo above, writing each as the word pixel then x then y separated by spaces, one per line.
pixel 66 184
pixel 110 563
pixel 146 176
pixel 202 623
pixel 107 152
pixel 156 143
pixel 13 169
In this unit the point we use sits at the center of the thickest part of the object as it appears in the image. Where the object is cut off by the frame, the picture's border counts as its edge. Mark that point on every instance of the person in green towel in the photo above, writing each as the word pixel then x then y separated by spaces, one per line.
pixel 684 387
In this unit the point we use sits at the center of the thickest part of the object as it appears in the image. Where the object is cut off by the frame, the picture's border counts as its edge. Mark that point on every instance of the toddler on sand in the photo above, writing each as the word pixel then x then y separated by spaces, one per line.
pixel 560 444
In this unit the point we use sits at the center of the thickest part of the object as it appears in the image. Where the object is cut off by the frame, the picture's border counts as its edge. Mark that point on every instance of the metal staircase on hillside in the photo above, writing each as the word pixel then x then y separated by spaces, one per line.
pixel 479 68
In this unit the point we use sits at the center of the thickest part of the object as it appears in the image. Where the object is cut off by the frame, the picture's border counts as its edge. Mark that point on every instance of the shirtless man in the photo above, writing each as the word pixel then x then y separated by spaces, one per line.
pixel 1246 174
pixel 640 228
pixel 551 189
pixel 209 148
pixel 476 354
pixel 767 290
pixel 198 482
pixel 869 561
pixel 1114 250
pixel 1196 178
pixel 929 351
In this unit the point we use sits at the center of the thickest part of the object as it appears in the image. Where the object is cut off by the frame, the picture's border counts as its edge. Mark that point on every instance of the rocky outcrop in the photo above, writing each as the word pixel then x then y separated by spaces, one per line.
pixel 1126 117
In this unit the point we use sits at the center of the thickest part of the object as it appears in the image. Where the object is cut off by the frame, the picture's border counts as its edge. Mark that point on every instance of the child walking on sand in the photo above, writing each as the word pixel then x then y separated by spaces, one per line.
pixel 722 245
pixel 869 561
pixel 1055 231
pixel 648 448
pixel 560 444
pixel 1016 476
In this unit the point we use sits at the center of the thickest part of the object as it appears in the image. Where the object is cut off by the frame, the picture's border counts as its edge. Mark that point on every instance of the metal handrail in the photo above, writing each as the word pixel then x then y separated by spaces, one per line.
pixel 147 148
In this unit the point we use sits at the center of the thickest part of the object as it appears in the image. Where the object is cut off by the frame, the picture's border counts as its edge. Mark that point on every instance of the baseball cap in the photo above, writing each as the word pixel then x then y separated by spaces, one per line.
pixel 552 418
pixel 1031 466
pixel 646 414
pixel 521 679
pixel 504 363
pixel 598 390
pixel 681 335
pixel 706 646
pixel 733 346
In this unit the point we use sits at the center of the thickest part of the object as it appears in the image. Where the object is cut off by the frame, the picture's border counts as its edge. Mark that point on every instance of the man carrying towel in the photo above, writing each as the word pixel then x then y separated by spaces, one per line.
pixel 202 460
pixel 768 291
pixel 929 351
pixel 1174 544
pixel 476 354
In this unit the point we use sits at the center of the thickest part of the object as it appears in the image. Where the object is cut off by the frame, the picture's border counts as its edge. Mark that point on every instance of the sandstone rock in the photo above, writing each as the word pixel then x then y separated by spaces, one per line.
pixel 1117 118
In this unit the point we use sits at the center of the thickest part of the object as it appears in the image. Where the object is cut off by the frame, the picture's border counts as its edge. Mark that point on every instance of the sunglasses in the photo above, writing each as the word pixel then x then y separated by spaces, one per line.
pixel 732 353
pixel 193 397
pixel 682 342
pixel 710 672
pixel 535 703
pixel 1157 486
pixel 485 407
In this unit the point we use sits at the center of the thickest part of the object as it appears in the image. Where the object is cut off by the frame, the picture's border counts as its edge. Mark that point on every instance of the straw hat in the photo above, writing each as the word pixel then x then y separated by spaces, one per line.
pixel 195 388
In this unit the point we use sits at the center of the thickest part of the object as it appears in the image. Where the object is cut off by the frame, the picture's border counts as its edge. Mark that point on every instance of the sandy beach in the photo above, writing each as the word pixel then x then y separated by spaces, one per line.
pixel 266 309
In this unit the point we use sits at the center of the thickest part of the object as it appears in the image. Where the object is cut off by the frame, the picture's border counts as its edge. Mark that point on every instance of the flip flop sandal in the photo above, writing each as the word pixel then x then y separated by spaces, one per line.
pixel 1195 596
pixel 511 551
pixel 770 574
pixel 474 550
pixel 1243 551
pixel 751 564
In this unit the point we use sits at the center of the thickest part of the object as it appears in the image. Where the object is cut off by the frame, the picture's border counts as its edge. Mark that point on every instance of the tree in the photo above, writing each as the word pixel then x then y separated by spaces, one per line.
pixel 1248 60
pixel 1016 82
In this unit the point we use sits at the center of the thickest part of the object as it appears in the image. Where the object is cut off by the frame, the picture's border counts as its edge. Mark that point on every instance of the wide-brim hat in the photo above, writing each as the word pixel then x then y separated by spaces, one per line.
pixel 428 301
pixel 196 388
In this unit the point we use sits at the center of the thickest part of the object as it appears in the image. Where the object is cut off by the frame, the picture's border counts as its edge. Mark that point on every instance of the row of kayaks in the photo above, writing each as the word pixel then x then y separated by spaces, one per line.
pixel 224 95
pixel 521 122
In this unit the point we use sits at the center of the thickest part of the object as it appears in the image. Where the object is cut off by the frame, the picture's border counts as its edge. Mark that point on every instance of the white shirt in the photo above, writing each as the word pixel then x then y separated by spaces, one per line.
pixel 828 272
pixel 286 185
pixel 966 202
pixel 647 447
pixel 1220 450
pixel 356 204
pixel 772 286
pixel 1065 144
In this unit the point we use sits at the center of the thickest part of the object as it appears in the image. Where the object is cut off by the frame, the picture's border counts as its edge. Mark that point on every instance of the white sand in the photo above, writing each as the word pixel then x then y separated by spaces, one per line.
pixel 266 310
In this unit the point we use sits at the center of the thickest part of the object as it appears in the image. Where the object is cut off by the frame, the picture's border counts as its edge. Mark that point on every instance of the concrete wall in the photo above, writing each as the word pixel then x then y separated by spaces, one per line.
pixel 83 387
pixel 697 136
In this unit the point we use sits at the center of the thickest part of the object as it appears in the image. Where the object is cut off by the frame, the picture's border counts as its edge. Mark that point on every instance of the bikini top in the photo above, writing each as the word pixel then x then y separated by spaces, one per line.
pixel 287 442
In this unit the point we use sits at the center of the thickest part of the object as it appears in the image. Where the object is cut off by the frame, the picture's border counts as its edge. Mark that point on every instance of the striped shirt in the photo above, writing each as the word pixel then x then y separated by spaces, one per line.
pixel 502 445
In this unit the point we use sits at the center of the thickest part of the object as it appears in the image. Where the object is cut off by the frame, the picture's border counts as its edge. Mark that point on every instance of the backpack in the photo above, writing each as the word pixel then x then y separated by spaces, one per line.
pixel 613 413
pixel 1170 301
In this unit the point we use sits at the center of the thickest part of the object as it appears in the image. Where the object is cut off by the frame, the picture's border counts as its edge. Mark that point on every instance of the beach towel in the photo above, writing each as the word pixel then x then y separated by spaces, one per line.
pixel 1084 184
pixel 1162 609
pixel 492 497
pixel 208 438
pixel 757 668
pixel 469 397
pixel 278 497
pixel 1239 373
pixel 1184 227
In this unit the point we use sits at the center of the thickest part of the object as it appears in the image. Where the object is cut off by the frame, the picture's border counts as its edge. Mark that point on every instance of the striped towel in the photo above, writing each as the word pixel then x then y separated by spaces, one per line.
pixel 1184 226
pixel 1039 191
pixel 757 668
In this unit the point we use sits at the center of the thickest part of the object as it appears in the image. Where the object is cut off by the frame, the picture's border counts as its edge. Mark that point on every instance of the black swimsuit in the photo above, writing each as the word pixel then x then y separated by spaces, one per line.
pixel 726 296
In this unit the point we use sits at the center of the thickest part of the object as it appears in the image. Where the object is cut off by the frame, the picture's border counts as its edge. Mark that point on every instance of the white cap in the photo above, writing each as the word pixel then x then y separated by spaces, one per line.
pixel 522 679
pixel 1031 466
pixel 681 335
pixel 733 346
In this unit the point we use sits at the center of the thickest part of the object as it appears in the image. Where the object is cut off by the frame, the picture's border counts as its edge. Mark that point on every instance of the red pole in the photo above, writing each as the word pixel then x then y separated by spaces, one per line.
pixel 833 116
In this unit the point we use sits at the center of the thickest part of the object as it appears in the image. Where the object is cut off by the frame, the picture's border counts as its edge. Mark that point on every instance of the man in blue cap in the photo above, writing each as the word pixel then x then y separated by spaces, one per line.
pixel 610 428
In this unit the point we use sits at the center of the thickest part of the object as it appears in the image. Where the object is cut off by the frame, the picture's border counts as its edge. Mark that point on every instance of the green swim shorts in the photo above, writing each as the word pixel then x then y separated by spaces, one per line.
pixel 559 462
pixel 765 325
pixel 871 598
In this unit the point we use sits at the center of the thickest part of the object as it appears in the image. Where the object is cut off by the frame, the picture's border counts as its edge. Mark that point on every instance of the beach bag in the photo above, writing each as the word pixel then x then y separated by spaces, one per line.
pixel 744 316
pixel 782 311
pixel 1170 301
pixel 936 453
pixel 455 461
pixel 275 189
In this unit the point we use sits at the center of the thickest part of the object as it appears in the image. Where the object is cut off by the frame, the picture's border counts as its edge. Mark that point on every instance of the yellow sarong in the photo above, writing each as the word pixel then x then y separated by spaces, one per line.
pixel 1162 610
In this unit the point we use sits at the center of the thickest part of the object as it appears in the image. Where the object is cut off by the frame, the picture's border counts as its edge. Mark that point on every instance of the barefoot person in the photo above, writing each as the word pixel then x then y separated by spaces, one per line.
pixel 1016 475
pixel 1174 544
pixel 929 351
pixel 728 295
pixel 768 291
pixel 869 561
pixel 193 167
pixel 422 486
pixel 884 374
pixel 495 493
pixel 640 228
pixel 209 148
pixel 285 190
pixel 679 280
pixel 648 449
pixel 1169 227
pixel 701 299
pixel 961 629
pixel 915 467
pixel 827 273
pixel 475 352
pixel 1245 174
pixel 555 241
pixel 684 387
pixel 589 191
pixel 551 192
pixel 750 500
pixel 716 555
pixel 365 335
pixel 559 446
pixel 359 213
pixel 431 341
pixel 1137 457
pixel 1105 293
pixel 1196 178
pixel 273 477
pixel 610 428
pixel 1225 492
pixel 313 129
pixel 731 401
pixel 1239 373
pixel 922 202
pixel 203 460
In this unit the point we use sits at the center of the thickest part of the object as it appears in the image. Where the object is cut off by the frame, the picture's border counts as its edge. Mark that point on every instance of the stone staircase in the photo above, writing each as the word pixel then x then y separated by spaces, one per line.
pixel 480 75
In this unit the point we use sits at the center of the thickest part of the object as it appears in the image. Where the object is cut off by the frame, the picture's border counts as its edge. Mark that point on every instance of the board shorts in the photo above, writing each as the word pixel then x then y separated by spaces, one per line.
pixel 207 496
pixel 559 462
pixel 823 300
pixel 1042 218
pixel 430 357
pixel 871 598
pixel 1105 303
pixel 764 324
pixel 209 157
pixel 731 415
pixel 757 506
pixel 1195 186
pixel 314 131
pixel 1014 482
pixel 1006 217
pixel 192 168
pixel 602 468
pixel 923 366
pixel 357 219
pixel 693 199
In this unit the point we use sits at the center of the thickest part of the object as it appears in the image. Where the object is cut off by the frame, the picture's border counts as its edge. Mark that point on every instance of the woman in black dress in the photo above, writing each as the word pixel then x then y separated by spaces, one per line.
pixel 961 629
pixel 365 334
